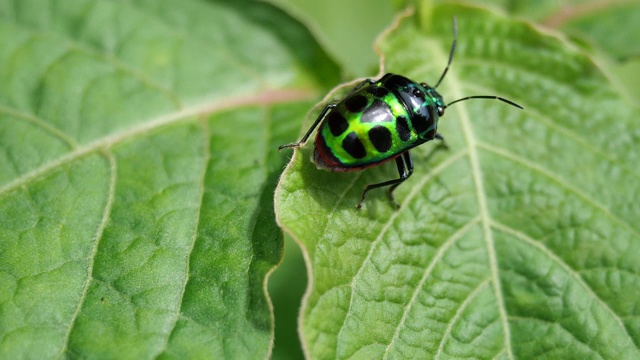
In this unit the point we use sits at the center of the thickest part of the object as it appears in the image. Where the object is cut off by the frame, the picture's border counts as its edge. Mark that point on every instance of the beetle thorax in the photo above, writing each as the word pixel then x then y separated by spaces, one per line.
pixel 423 103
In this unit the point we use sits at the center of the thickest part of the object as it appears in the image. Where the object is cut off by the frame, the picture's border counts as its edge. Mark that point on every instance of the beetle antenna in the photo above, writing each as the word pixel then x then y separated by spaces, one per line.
pixel 453 50
pixel 485 97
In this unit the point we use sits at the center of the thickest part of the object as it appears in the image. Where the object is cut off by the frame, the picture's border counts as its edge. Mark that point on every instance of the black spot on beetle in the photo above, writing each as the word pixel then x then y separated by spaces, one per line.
pixel 356 103
pixel 421 121
pixel 337 123
pixel 402 127
pixel 380 138
pixel 353 146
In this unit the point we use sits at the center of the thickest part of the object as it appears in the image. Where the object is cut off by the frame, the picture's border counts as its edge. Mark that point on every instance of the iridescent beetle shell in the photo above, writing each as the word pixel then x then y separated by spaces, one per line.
pixel 377 122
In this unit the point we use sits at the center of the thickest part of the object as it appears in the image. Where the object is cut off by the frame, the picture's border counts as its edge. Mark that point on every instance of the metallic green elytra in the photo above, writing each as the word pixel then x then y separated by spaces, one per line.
pixel 379 121
pixel 376 122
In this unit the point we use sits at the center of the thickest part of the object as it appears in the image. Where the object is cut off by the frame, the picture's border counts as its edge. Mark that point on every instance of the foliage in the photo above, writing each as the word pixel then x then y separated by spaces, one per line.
pixel 138 165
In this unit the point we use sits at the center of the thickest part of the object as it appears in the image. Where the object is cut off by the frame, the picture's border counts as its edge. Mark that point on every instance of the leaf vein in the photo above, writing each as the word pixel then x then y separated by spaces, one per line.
pixel 98 237
pixel 472 295
pixel 432 173
pixel 183 115
pixel 569 270
pixel 583 142
pixel 562 183
pixel 561 326
pixel 434 261
pixel 33 119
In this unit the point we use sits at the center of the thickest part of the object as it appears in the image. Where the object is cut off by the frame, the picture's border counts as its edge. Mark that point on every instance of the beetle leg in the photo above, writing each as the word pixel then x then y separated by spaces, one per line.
pixel 405 169
pixel 304 139
pixel 323 114
pixel 443 143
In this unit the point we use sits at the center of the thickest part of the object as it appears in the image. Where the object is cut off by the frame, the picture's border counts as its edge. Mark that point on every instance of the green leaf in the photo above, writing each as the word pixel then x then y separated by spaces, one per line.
pixel 137 169
pixel 611 25
pixel 606 28
pixel 519 241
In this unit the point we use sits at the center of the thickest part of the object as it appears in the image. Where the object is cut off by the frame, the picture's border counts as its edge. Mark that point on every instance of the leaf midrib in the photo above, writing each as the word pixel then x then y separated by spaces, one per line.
pixel 487 223
pixel 191 113
pixel 485 218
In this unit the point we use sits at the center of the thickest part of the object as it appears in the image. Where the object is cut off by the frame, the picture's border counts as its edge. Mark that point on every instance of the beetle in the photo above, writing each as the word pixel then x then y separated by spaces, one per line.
pixel 381 120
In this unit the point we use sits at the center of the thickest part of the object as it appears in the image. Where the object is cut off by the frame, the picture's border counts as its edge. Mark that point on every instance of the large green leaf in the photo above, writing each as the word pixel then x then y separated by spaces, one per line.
pixel 519 241
pixel 137 168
